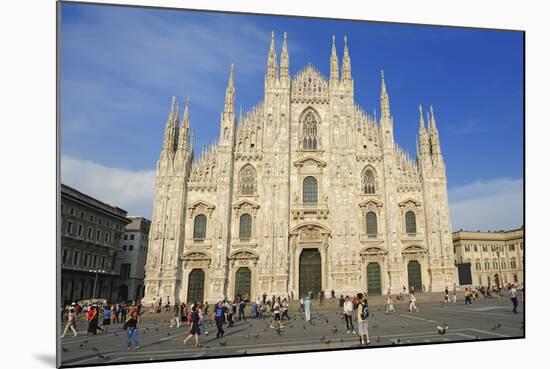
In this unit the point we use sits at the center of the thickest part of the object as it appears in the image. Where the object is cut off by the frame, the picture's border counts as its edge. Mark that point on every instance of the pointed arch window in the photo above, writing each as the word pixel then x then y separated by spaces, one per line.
pixel 247 180
pixel 410 222
pixel 372 226
pixel 310 190
pixel 310 132
pixel 199 228
pixel 245 227
pixel 369 182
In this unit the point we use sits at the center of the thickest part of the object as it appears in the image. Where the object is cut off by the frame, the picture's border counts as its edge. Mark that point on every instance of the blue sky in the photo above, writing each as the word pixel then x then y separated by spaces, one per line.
pixel 121 65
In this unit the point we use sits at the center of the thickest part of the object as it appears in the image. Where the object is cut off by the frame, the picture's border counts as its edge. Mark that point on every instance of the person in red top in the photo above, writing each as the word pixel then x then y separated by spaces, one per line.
pixel 92 317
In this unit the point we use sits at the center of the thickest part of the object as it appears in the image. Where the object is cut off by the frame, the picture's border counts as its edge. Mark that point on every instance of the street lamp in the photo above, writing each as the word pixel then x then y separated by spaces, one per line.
pixel 499 270
pixel 96 271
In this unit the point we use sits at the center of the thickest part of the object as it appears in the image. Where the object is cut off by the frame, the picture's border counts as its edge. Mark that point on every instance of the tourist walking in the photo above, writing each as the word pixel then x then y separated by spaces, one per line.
pixel 467 296
pixel 106 319
pixel 276 314
pixel 232 309
pixel 301 309
pixel 362 319
pixel 92 316
pixel 123 312
pixel 307 308
pixel 195 330
pixel 321 297
pixel 348 311
pixel 446 298
pixel 284 309
pixel 130 325
pixel 514 298
pixel 242 306
pixel 389 303
pixel 71 320
pixel 175 316
pixel 412 302
pixel 219 316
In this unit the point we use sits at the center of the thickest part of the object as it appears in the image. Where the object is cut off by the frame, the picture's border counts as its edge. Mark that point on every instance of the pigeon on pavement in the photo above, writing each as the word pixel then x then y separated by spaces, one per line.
pixel 442 329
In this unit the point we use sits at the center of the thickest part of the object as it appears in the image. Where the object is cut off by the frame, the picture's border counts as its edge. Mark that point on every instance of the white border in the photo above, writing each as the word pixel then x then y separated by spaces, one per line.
pixel 28 184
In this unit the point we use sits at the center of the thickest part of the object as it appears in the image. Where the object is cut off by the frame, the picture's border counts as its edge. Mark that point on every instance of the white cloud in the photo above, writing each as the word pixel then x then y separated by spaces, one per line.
pixel 487 205
pixel 132 190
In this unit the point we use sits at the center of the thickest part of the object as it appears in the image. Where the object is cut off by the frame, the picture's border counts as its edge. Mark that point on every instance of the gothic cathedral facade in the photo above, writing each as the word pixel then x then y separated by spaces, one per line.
pixel 305 192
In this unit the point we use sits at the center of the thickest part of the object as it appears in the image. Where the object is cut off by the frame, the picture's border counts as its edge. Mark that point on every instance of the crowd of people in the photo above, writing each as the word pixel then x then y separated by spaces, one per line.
pixel 107 314
pixel 197 316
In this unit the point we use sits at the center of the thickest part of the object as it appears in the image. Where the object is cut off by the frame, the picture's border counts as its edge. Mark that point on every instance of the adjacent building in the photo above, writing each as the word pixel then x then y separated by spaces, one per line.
pixel 305 192
pixel 492 258
pixel 91 234
pixel 133 258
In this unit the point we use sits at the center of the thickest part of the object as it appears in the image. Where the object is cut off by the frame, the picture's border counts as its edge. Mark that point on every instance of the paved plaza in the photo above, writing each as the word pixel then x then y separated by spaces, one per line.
pixel 485 319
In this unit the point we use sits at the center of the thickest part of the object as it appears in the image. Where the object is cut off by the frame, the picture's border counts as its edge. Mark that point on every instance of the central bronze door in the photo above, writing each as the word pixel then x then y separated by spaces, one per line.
pixel 242 283
pixel 195 287
pixel 374 284
pixel 310 272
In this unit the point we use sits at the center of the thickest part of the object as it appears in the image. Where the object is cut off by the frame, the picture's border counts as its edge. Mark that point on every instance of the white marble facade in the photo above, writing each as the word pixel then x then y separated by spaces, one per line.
pixel 304 169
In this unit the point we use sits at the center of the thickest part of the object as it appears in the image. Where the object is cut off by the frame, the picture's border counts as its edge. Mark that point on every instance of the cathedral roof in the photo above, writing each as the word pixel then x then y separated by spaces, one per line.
pixel 310 85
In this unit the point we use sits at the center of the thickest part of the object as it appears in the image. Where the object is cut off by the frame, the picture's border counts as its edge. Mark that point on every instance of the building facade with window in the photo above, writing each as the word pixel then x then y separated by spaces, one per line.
pixel 304 192
pixel 494 258
pixel 91 234
pixel 133 258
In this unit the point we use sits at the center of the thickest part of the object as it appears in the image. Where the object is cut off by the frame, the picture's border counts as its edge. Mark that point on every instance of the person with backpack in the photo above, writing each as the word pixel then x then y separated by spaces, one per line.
pixel 219 316
pixel 362 319
pixel 347 312
pixel 195 330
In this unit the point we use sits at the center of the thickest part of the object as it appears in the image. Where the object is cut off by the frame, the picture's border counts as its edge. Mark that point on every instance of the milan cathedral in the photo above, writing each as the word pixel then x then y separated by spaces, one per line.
pixel 303 193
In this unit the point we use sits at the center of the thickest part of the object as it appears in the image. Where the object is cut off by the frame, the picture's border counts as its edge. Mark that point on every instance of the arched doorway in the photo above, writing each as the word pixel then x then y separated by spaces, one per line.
pixel 243 280
pixel 374 282
pixel 195 286
pixel 415 275
pixel 310 272
pixel 123 293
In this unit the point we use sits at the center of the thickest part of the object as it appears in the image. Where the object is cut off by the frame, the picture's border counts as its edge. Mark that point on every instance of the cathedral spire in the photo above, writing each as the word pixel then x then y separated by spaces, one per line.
pixel 434 134
pixel 433 127
pixel 384 99
pixel 170 129
pixel 334 75
pixel 285 77
pixel 240 122
pixel 422 128
pixel 346 63
pixel 183 139
pixel 230 93
pixel 272 61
